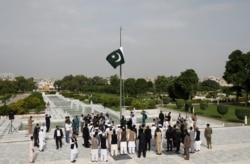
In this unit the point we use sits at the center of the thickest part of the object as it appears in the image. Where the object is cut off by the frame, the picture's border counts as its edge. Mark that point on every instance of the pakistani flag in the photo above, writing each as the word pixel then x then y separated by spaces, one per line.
pixel 115 58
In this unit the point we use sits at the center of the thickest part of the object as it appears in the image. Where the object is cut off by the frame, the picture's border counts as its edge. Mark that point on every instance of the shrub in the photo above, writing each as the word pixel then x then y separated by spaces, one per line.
pixel 114 101
pixel 151 104
pixel 166 100
pixel 241 113
pixel 128 101
pixel 179 103
pixel 222 110
pixel 203 105
pixel 4 110
pixel 188 105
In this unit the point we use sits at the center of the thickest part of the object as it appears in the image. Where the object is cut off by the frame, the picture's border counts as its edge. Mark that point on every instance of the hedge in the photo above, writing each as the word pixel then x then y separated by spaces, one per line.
pixel 222 109
pixel 241 113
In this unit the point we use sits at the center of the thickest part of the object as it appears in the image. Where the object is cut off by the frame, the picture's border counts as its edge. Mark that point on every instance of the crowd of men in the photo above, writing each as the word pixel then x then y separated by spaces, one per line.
pixel 103 137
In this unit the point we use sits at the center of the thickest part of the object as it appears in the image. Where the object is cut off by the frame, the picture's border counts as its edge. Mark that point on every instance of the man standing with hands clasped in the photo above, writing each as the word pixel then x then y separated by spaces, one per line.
pixel 207 134
pixel 58 135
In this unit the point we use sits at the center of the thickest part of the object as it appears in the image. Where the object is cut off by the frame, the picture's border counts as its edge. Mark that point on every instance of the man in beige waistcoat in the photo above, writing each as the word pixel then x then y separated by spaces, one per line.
pixel 131 141
pixel 158 141
pixel 94 148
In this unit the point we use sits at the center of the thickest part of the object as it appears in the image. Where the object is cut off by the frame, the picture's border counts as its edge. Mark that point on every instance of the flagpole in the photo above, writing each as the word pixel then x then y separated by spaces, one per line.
pixel 120 76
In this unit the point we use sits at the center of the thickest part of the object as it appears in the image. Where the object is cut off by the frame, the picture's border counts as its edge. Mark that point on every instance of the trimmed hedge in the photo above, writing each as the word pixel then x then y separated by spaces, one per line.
pixel 203 105
pixel 222 109
pixel 179 103
pixel 166 100
pixel 241 113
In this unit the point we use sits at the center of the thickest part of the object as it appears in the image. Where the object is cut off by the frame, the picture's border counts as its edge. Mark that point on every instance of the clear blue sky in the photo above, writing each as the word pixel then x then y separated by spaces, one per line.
pixel 54 38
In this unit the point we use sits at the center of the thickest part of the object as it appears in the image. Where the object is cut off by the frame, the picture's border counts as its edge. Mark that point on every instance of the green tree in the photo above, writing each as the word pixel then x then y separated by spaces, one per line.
pixel 162 83
pixel 129 86
pixel 115 84
pixel 150 86
pixel 185 86
pixel 7 87
pixel 58 84
pixel 23 84
pixel 209 85
pixel 237 72
pixel 141 86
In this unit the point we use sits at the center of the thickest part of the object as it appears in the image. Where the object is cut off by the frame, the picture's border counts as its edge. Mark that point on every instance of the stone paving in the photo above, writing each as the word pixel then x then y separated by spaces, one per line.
pixel 230 145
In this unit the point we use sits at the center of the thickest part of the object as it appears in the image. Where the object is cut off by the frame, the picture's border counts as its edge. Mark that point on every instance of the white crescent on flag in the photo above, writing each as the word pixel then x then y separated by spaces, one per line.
pixel 119 57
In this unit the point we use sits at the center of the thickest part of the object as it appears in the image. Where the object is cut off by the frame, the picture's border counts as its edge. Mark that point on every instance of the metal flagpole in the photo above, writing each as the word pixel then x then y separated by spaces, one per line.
pixel 120 76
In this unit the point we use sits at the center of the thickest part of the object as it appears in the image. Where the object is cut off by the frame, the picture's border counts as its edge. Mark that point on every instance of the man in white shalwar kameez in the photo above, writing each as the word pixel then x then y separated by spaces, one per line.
pixel 32 150
pixel 44 132
pixel 192 136
pixel 73 148
pixel 41 139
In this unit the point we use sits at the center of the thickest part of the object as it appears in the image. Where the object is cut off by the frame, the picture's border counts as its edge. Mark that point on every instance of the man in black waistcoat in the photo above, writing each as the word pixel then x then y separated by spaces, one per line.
pixel 148 138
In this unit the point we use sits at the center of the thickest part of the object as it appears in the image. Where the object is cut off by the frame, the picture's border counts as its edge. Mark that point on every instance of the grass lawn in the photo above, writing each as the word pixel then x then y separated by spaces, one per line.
pixel 211 112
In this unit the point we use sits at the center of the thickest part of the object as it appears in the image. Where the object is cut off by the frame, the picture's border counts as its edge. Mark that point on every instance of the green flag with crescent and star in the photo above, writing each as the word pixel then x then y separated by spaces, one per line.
pixel 115 58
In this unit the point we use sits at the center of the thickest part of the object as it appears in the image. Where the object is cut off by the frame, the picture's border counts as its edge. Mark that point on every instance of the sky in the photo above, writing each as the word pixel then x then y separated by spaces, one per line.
pixel 56 38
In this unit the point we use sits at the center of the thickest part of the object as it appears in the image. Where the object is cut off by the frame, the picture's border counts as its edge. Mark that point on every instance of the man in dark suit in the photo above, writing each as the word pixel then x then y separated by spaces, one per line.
pixel 169 137
pixel 161 117
pixel 58 135
pixel 142 143
pixel 85 135
pixel 35 135
pixel 148 137
pixel 47 120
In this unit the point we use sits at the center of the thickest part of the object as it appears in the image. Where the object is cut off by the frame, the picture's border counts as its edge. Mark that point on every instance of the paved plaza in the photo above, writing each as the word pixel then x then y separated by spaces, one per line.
pixel 230 144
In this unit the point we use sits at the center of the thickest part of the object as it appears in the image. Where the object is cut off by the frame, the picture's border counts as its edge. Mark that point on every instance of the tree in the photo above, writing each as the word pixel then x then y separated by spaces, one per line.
pixel 7 87
pixel 150 86
pixel 162 83
pixel 237 72
pixel 115 84
pixel 129 86
pixel 24 85
pixel 185 86
pixel 209 85
pixel 171 93
pixel 58 84
pixel 141 86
